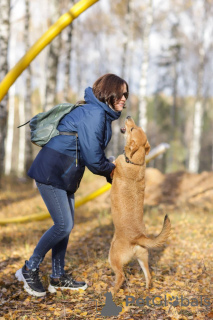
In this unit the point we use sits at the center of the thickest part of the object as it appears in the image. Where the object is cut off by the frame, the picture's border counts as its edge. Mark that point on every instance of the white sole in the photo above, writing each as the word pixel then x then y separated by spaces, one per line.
pixel 52 289
pixel 32 292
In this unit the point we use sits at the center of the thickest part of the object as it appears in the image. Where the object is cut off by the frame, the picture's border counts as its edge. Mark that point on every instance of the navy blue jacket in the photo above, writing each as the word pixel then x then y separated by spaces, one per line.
pixel 55 164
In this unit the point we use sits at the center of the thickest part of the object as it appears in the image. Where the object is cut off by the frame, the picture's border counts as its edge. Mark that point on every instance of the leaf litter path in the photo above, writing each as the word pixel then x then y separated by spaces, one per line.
pixel 181 271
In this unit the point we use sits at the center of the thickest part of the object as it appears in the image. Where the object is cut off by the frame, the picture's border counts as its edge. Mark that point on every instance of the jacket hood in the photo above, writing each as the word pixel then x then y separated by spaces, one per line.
pixel 90 98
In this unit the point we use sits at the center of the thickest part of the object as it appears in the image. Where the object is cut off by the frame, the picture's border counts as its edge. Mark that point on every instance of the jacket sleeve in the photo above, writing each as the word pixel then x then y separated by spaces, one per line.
pixel 91 140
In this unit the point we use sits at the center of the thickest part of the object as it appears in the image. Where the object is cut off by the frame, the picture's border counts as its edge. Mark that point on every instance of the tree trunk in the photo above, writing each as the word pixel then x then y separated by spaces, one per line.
pixel 4 38
pixel 195 143
pixel 80 62
pixel 11 108
pixel 126 38
pixel 175 48
pixel 116 142
pixel 144 68
pixel 22 133
pixel 10 130
pixel 195 146
pixel 28 104
pixel 52 61
pixel 68 48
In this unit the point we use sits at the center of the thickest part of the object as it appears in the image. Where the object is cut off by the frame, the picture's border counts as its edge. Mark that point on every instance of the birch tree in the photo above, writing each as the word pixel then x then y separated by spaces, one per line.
pixel 127 36
pixel 145 66
pixel 202 17
pixel 4 38
pixel 175 48
pixel 28 91
pixel 22 133
pixel 52 59
pixel 68 53
pixel 11 110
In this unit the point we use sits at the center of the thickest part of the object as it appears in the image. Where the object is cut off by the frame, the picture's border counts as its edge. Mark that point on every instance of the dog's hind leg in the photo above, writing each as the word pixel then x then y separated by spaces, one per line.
pixel 116 262
pixel 142 257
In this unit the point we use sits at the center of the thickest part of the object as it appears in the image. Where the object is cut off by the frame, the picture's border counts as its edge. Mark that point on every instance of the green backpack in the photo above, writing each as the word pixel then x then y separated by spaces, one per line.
pixel 43 126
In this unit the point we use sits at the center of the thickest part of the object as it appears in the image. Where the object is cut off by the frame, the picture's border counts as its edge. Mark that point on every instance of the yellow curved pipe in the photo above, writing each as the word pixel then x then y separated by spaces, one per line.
pixel 40 44
pixel 45 215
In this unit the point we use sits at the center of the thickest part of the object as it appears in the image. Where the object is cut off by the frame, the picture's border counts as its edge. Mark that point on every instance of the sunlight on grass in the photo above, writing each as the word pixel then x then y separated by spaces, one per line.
pixel 183 267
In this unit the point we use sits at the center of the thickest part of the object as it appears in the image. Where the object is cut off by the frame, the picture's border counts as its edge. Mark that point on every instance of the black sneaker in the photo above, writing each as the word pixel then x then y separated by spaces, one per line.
pixel 32 282
pixel 66 282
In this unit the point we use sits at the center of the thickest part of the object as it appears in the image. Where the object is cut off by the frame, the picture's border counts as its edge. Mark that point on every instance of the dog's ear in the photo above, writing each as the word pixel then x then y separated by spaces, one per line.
pixel 147 147
pixel 133 148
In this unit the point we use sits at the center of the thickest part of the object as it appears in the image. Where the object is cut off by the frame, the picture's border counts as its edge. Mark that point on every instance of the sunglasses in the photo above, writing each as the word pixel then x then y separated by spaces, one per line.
pixel 125 94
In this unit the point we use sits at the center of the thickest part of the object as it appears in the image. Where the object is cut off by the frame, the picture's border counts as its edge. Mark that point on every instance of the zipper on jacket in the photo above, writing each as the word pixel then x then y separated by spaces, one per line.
pixel 76 161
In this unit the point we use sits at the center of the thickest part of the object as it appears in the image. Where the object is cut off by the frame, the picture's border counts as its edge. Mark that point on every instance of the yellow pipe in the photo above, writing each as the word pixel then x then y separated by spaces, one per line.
pixel 47 37
pixel 93 195
pixel 45 215
pixel 42 216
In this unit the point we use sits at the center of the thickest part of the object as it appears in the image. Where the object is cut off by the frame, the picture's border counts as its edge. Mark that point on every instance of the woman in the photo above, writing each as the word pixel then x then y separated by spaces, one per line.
pixel 58 170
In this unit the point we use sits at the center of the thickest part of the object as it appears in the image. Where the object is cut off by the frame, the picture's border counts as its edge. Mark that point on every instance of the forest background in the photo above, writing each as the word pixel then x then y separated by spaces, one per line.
pixel 162 48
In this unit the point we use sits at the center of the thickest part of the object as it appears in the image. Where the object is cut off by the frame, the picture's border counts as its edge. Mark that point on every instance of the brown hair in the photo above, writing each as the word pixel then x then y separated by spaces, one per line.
pixel 109 88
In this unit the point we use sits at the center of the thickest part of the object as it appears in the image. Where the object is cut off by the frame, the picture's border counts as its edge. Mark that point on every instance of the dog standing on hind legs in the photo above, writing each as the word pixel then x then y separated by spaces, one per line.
pixel 127 198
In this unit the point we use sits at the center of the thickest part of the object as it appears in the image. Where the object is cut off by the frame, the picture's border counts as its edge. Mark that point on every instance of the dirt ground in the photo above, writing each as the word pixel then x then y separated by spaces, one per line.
pixel 179 189
pixel 182 271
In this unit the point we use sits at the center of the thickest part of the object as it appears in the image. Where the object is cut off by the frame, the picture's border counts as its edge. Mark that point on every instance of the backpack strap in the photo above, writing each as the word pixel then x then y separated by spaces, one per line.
pixel 23 124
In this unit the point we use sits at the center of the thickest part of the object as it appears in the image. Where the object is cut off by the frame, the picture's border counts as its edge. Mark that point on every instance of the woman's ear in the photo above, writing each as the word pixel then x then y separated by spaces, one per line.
pixel 147 147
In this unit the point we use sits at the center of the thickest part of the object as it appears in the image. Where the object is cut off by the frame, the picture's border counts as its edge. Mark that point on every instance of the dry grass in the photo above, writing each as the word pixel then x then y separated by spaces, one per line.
pixel 182 268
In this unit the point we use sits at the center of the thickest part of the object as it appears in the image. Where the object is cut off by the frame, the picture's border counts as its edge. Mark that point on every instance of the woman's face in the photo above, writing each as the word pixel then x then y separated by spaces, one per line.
pixel 119 104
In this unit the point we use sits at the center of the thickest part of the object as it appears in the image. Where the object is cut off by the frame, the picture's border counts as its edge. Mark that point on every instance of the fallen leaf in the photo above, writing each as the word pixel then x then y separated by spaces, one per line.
pixel 210 314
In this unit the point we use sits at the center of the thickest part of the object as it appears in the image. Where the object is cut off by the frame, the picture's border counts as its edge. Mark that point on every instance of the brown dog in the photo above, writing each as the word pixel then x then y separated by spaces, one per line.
pixel 127 197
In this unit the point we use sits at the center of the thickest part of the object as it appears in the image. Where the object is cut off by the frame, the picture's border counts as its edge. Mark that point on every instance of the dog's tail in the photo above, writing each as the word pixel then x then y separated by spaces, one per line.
pixel 159 240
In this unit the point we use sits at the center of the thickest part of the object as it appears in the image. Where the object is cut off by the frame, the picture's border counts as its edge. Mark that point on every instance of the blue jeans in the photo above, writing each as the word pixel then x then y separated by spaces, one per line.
pixel 60 205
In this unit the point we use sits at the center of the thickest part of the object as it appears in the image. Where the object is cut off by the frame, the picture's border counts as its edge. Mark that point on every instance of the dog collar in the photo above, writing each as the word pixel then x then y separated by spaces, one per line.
pixel 129 161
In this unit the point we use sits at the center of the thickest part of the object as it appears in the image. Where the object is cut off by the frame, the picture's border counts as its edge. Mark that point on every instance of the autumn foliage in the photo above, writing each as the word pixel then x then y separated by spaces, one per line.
pixel 182 268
